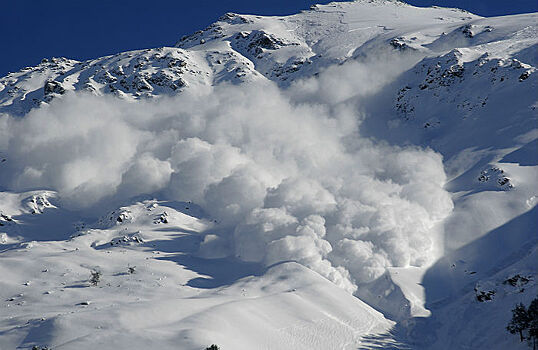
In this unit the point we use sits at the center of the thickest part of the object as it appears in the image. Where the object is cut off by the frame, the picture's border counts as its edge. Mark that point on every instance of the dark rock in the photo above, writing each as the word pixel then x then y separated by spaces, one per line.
pixel 53 87
pixel 517 280
pixel 524 76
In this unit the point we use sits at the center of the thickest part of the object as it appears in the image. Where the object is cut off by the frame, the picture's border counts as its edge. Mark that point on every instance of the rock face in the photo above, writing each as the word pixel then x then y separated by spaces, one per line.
pixel 53 87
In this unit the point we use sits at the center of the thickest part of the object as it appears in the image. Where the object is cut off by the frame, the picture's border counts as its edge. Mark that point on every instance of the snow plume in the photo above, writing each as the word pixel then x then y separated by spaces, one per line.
pixel 284 180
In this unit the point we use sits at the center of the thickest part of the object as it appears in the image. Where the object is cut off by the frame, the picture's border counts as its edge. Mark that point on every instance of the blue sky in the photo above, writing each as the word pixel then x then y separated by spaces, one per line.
pixel 34 29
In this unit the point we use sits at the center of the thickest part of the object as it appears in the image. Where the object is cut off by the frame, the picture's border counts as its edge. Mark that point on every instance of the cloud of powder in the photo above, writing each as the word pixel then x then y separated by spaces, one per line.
pixel 285 173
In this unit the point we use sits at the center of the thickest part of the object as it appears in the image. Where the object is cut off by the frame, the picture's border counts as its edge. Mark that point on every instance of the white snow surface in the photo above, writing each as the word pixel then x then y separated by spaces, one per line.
pixel 356 176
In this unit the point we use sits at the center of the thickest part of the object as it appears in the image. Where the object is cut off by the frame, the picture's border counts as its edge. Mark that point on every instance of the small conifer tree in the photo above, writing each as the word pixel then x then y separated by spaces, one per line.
pixel 519 321
pixel 95 277
pixel 532 313
pixel 525 322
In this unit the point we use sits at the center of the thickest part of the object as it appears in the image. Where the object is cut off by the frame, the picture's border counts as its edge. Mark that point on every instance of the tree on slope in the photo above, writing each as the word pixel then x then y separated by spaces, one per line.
pixel 533 321
pixel 525 321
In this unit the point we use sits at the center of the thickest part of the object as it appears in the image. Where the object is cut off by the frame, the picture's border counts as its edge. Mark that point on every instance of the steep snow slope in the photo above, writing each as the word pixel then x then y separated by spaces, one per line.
pixel 369 217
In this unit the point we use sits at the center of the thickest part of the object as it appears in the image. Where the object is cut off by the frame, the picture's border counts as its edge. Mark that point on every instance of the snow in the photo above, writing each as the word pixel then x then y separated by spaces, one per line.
pixel 171 299
pixel 358 175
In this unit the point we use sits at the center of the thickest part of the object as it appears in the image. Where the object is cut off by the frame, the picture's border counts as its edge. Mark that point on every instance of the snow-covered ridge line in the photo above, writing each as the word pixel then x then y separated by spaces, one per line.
pixel 236 48
pixel 239 48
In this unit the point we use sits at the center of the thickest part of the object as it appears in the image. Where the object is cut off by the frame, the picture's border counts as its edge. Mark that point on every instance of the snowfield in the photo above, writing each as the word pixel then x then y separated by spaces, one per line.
pixel 361 175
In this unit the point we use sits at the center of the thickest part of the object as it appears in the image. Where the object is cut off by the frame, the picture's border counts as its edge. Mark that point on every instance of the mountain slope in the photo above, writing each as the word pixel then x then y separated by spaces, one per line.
pixel 237 48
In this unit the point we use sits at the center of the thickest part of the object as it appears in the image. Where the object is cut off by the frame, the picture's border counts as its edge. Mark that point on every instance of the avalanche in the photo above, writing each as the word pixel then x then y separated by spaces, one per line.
pixel 348 177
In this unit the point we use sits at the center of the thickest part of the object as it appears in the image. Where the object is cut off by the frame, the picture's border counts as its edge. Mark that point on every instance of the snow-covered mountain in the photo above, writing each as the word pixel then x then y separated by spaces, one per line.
pixel 359 175
pixel 237 48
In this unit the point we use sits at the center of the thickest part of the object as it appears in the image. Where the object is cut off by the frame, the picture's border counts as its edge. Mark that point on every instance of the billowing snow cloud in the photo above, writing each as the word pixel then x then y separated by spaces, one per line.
pixel 286 178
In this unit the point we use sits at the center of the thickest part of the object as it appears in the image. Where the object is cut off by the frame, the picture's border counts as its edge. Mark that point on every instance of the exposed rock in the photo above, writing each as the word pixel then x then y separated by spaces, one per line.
pixel 53 87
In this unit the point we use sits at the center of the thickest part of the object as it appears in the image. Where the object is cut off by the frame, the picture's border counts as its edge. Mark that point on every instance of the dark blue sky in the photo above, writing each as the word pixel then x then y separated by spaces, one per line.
pixel 34 29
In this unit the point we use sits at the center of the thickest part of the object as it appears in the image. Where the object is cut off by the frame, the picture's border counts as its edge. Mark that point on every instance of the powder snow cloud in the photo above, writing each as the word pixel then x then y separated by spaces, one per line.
pixel 283 172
